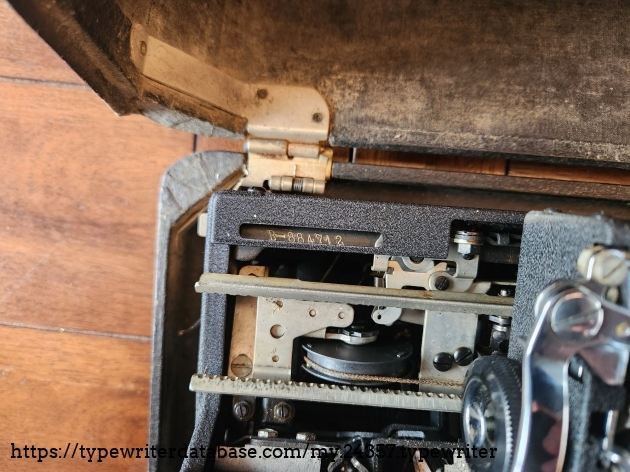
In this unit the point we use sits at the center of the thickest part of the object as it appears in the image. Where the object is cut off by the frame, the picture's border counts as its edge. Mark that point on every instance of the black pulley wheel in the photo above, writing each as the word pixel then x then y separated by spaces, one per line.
pixel 379 358
pixel 491 412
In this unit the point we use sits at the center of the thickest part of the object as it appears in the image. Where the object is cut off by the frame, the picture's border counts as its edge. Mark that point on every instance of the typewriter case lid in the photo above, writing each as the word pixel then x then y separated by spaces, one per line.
pixel 529 79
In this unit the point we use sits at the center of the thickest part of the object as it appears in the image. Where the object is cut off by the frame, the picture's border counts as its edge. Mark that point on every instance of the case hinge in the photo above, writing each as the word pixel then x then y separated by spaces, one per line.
pixel 287 166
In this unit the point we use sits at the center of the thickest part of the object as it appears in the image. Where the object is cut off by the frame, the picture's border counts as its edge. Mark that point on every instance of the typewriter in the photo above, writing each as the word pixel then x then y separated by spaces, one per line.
pixel 318 311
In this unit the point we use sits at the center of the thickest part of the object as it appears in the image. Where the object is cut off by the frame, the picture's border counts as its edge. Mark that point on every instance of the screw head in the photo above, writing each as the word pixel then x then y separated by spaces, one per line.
pixel 442 283
pixel 267 433
pixel 577 316
pixel 242 411
pixel 312 312
pixel 463 356
pixel 443 361
pixel 317 117
pixel 505 292
pixel 262 94
pixel 609 268
pixel 241 366
pixel 143 48
pixel 282 411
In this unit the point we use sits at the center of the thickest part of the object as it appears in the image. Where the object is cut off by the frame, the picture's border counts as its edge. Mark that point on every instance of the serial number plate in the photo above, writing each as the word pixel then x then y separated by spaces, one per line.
pixel 325 237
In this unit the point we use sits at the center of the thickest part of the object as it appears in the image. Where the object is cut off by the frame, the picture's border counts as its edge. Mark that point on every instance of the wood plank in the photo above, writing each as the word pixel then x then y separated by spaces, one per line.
pixel 480 165
pixel 539 170
pixel 60 388
pixel 78 209
pixel 342 154
pixel 23 54
pixel 214 143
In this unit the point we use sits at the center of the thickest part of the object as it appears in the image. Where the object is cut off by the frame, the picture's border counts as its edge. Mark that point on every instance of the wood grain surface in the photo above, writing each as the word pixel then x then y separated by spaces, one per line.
pixel 23 55
pixel 79 189
pixel 78 207
pixel 59 388
pixel 478 165
pixel 575 173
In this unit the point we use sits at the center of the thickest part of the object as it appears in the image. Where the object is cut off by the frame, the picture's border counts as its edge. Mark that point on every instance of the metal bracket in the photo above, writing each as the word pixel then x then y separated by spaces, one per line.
pixel 446 332
pixel 286 123
pixel 299 114
pixel 403 272
pixel 264 329
pixel 279 321
pixel 244 328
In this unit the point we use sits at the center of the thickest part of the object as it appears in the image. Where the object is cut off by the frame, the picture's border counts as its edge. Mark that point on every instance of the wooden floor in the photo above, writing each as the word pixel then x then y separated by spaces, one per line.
pixel 78 196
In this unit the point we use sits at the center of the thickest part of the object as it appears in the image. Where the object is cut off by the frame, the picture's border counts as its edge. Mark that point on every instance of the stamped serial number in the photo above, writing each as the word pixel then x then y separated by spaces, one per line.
pixel 310 236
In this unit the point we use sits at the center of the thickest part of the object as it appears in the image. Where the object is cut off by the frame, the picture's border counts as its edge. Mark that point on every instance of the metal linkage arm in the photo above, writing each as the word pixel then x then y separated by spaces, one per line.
pixel 274 287
pixel 571 319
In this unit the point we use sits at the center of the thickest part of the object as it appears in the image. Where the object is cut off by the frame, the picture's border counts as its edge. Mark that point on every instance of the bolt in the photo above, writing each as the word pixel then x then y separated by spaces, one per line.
pixel 505 292
pixel 143 48
pixel 275 358
pixel 305 436
pixel 312 312
pixel 242 411
pixel 241 366
pixel 468 243
pixel 267 433
pixel 317 117
pixel 262 94
pixel 443 361
pixel 442 283
pixel 283 411
pixel 463 356
pixel 341 315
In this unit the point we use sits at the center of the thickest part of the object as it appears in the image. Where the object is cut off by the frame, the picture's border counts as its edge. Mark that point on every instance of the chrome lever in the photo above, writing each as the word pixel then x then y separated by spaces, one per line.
pixel 571 318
